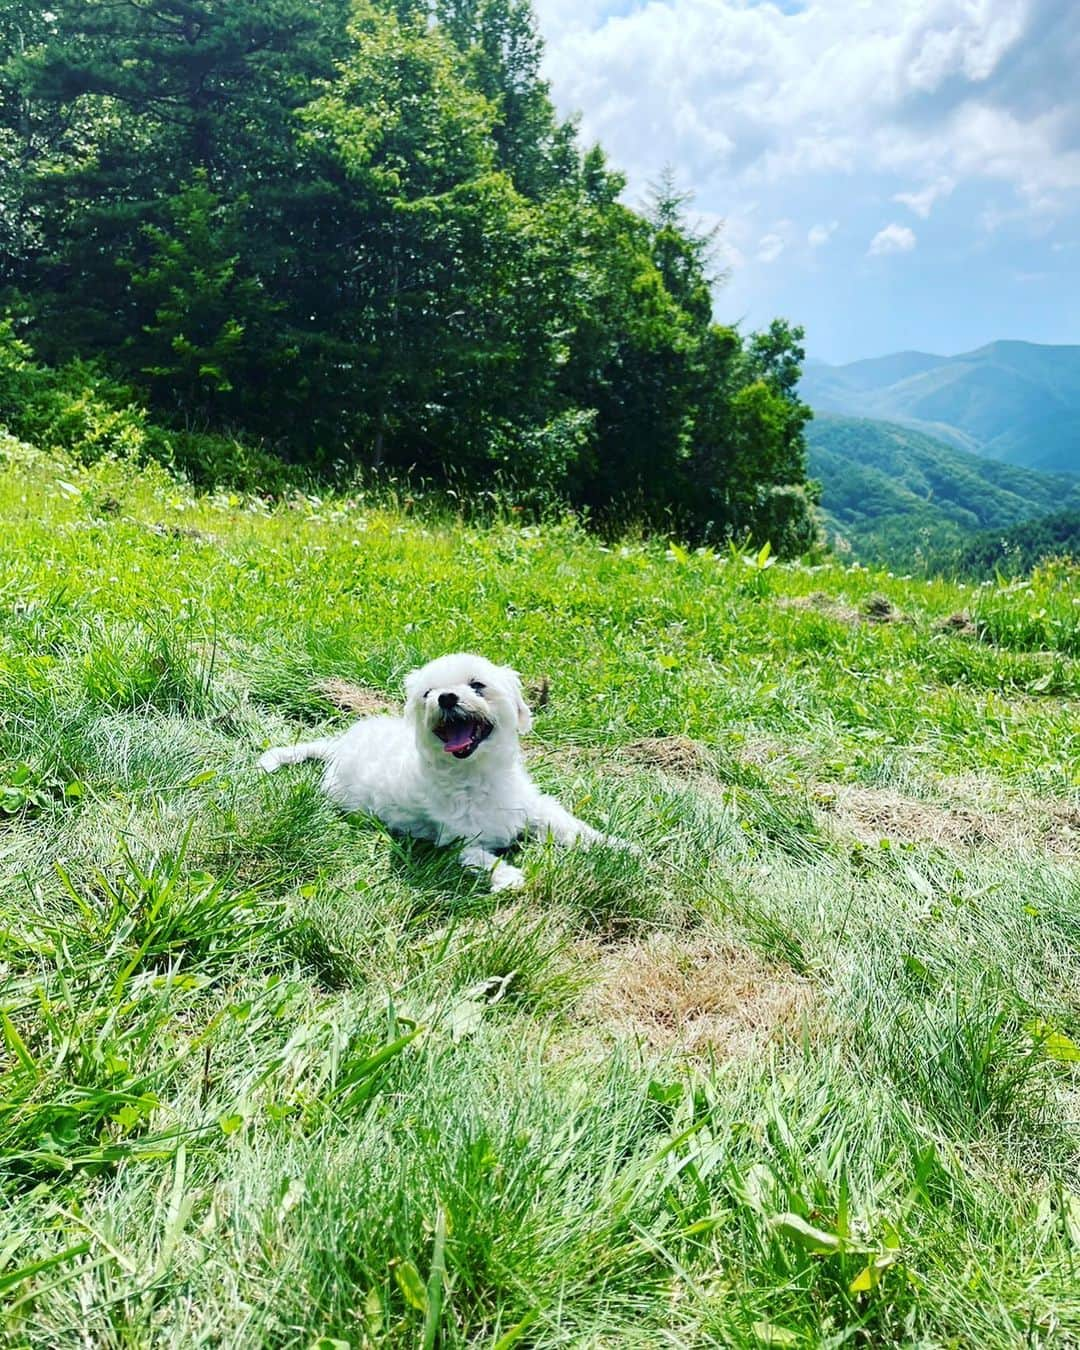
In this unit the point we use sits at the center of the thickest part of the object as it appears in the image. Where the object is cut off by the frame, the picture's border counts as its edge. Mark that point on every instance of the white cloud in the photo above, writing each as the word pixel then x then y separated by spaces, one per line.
pixel 967 40
pixel 892 239
pixel 819 235
pixel 856 110
pixel 922 202
pixel 746 96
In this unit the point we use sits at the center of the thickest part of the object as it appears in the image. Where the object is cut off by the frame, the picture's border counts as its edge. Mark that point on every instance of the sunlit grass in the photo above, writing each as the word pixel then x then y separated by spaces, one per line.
pixel 273 1075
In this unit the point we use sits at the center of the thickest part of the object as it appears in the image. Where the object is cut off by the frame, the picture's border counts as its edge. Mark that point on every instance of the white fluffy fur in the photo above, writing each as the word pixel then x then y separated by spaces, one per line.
pixel 396 768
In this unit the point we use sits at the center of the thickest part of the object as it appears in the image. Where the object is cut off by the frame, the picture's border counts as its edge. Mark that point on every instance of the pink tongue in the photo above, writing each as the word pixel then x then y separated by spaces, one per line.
pixel 460 738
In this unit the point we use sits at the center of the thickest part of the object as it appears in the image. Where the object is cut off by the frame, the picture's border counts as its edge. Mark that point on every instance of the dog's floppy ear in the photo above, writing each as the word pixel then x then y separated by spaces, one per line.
pixel 513 685
pixel 412 683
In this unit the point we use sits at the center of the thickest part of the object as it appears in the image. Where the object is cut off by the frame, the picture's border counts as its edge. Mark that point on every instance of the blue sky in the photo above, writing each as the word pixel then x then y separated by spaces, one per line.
pixel 891 173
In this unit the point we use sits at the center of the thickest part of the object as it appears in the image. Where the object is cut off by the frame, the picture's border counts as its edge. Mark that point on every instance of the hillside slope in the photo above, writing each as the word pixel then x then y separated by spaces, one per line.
pixel 1016 549
pixel 893 493
pixel 1014 401
pixel 801 1070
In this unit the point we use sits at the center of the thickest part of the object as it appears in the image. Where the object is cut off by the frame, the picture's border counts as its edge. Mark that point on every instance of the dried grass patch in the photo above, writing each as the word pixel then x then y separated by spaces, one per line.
pixel 538 694
pixel 695 995
pixel 759 752
pixel 877 609
pixel 357 698
pixel 821 603
pixel 872 814
pixel 672 754
pixel 1062 831
pixel 959 624
pixel 678 756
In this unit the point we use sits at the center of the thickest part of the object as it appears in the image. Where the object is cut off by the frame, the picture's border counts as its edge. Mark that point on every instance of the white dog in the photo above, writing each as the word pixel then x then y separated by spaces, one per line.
pixel 450 770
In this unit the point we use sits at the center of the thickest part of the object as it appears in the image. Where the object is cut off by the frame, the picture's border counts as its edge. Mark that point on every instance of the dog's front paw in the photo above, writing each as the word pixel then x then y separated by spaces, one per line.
pixel 622 846
pixel 507 878
pixel 270 761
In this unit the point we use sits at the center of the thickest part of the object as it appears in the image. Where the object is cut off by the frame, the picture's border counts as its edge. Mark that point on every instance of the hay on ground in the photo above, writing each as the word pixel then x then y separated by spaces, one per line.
pixel 959 624
pixel 356 698
pixel 872 814
pixel 874 609
pixel 696 995
pixel 672 754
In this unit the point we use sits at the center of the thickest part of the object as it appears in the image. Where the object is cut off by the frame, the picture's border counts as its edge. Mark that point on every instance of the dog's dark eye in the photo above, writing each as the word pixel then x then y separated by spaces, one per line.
pixel 426 692
pixel 478 685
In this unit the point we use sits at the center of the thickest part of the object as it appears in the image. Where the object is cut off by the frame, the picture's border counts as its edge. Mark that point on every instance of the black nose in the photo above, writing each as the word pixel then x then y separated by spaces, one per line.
pixel 448 701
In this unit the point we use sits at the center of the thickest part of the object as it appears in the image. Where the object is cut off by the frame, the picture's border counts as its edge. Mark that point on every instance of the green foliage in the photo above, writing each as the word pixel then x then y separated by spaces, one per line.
pixel 360 234
pixel 682 256
pixel 786 516
pixel 1016 550
pixel 449 348
pixel 75 408
pixel 79 410
pixel 207 332
pixel 209 82
pixel 1037 614
pixel 503 52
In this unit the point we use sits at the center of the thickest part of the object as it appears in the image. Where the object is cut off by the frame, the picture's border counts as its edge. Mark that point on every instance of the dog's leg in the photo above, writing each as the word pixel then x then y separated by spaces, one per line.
pixel 503 876
pixel 548 818
pixel 294 754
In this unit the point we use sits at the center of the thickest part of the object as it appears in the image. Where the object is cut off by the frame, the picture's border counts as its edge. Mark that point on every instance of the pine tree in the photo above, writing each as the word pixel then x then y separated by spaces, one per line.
pixel 208 348
pixel 449 331
pixel 683 255
pixel 164 89
pixel 215 79
pixel 33 132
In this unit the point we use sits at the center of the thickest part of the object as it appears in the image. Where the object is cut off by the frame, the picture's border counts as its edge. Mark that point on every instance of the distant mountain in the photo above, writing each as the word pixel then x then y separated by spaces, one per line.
pixel 1013 401
pixel 895 495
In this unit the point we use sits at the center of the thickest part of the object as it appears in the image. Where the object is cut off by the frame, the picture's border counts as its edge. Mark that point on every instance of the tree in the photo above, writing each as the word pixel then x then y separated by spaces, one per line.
pixel 208 349
pixel 358 230
pixel 450 340
pixel 775 358
pixel 211 77
pixel 161 90
pixel 34 134
pixel 503 51
pixel 683 256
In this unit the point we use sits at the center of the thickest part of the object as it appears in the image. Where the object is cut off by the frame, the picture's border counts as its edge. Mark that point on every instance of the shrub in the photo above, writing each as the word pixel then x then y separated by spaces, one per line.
pixel 81 411
pixel 75 408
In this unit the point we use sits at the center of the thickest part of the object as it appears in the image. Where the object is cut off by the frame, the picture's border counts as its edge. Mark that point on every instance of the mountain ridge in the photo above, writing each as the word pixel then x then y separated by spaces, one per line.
pixel 893 494
pixel 1009 400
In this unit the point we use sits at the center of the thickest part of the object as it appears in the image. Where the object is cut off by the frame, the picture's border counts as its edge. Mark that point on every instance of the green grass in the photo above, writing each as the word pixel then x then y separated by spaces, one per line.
pixel 272 1076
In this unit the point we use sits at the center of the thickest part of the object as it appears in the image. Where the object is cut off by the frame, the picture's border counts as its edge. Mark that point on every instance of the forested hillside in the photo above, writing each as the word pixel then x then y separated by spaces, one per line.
pixel 894 495
pixel 359 235
pixel 1016 550
pixel 1013 401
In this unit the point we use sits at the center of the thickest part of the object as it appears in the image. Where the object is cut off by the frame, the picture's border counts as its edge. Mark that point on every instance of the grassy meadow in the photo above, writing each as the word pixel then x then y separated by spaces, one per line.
pixel 806 1073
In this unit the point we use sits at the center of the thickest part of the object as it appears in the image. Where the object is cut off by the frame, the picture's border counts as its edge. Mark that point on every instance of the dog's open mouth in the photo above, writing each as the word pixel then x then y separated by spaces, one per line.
pixel 461 734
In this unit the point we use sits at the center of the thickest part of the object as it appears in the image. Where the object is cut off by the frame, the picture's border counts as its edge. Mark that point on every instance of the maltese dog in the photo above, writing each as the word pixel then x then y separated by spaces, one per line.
pixel 450 769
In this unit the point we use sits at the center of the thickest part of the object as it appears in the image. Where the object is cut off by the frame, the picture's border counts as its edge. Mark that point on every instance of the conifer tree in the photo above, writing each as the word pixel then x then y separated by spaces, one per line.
pixel 360 230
